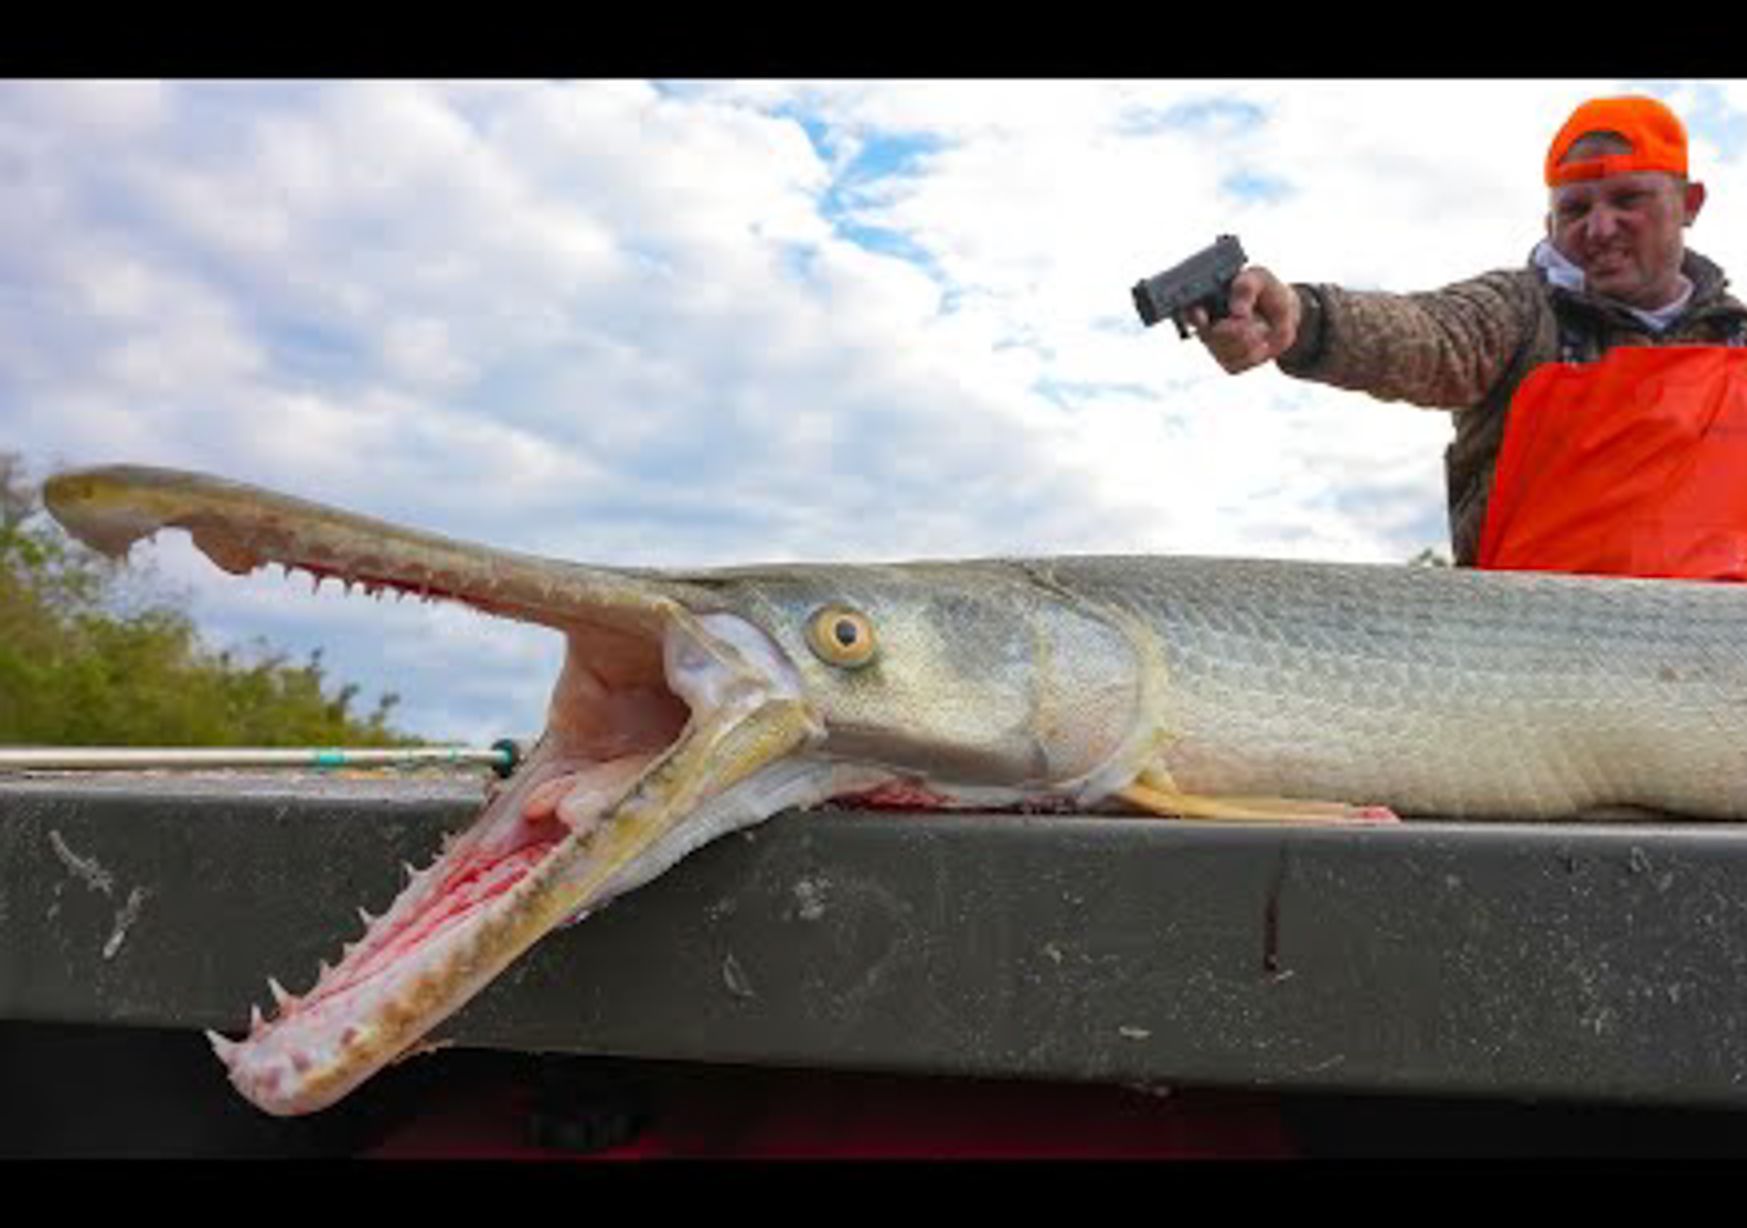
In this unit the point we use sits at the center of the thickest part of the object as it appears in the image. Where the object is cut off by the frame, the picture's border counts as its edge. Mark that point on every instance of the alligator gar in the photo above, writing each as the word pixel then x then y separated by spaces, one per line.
pixel 691 704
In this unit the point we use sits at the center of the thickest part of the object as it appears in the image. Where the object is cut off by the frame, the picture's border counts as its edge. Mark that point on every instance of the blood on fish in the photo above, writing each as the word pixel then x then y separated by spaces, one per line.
pixel 897 795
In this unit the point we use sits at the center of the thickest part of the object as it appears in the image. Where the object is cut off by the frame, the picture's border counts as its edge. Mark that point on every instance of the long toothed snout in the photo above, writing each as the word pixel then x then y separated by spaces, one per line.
pixel 662 726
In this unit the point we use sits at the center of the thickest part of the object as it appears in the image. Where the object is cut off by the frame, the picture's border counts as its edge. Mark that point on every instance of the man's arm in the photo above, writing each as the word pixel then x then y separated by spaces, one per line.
pixel 1443 349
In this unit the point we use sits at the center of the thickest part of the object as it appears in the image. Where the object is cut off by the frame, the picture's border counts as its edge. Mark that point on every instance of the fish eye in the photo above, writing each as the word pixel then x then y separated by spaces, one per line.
pixel 842 637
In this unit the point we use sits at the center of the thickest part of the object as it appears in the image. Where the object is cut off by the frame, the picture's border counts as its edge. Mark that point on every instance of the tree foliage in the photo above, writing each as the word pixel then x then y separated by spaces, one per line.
pixel 1431 556
pixel 84 662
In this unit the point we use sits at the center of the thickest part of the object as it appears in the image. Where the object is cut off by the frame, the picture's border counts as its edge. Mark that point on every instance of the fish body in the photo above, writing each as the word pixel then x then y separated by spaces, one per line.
pixel 1436 691
pixel 694 703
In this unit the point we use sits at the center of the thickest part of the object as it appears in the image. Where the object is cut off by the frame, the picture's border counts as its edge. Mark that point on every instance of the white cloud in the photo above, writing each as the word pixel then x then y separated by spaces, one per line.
pixel 711 322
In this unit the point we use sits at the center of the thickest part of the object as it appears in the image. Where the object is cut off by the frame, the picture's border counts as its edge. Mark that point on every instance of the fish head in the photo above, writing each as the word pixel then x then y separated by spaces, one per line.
pixel 976 677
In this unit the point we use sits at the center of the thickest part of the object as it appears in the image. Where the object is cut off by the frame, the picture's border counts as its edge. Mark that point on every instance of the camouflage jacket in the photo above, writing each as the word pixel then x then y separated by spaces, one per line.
pixel 1467 347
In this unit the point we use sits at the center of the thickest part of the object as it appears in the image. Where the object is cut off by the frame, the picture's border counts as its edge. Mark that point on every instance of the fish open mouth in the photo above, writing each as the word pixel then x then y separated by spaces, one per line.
pixel 671 723
pixel 460 920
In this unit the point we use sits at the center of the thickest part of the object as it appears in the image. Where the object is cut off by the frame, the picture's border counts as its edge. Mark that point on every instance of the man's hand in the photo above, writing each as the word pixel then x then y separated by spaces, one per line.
pixel 1263 322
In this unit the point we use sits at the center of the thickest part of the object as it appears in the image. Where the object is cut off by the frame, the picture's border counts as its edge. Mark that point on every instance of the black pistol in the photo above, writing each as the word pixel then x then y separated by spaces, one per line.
pixel 1204 279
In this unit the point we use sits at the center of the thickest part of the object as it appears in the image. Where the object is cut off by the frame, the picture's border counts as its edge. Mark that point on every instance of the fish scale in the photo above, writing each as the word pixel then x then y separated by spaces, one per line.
pixel 1442 691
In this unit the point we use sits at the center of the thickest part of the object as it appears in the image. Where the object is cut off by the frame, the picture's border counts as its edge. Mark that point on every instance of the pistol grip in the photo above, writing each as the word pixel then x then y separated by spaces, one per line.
pixel 1217 305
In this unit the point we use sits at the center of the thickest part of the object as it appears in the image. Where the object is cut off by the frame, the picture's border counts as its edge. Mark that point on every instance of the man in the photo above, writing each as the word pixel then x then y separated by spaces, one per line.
pixel 1612 273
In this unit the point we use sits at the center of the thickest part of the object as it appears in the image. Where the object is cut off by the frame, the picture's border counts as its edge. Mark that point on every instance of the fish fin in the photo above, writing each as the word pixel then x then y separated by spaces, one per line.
pixel 1156 793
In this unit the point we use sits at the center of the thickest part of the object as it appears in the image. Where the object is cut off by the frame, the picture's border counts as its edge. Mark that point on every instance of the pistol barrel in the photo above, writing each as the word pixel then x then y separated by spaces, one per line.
pixel 1202 279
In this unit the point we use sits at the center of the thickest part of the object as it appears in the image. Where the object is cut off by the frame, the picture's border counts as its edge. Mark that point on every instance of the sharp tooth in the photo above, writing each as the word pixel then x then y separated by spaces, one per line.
pixel 365 917
pixel 321 970
pixel 280 997
pixel 256 1023
pixel 226 1049
pixel 411 874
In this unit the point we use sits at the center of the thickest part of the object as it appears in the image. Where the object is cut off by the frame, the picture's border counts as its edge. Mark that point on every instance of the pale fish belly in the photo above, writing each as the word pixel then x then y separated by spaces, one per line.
pixel 1441 692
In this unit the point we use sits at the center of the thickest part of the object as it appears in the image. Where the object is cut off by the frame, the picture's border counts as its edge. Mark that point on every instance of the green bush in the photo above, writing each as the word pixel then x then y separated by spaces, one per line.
pixel 84 662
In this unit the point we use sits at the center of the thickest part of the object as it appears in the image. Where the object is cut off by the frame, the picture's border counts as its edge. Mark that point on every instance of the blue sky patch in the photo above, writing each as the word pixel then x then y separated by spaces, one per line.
pixel 1248 185
pixel 820 133
pixel 1222 115
pixel 884 155
pixel 879 157
pixel 315 351
pixel 797 261
pixel 884 241
pixel 1713 118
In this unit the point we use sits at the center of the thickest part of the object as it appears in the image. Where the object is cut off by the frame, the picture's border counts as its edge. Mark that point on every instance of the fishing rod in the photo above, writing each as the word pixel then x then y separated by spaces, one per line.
pixel 501 756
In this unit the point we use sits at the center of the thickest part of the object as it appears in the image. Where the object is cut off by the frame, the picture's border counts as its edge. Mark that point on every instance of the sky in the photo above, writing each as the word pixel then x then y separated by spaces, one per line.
pixel 698 323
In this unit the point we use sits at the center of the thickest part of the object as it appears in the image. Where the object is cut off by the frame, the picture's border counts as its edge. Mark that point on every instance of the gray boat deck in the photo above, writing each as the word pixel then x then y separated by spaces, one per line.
pixel 1595 962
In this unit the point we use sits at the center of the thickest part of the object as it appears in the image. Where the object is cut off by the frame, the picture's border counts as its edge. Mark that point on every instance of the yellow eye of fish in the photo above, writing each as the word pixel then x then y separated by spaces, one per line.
pixel 841 637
